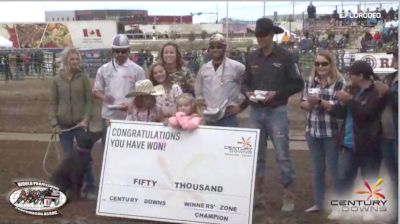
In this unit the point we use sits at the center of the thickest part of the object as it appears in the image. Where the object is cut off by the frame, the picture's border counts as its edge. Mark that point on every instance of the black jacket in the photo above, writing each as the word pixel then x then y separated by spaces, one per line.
pixel 366 110
pixel 276 72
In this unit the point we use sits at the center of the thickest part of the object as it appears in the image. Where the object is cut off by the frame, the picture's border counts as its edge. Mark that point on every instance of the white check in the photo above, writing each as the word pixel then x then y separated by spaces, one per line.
pixel 153 172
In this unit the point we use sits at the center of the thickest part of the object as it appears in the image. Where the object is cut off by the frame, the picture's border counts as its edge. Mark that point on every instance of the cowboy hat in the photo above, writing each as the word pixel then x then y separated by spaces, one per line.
pixel 145 87
pixel 218 38
pixel 264 26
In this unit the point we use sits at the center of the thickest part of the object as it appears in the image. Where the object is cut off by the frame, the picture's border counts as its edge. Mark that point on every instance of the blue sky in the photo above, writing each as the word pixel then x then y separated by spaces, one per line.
pixel 33 11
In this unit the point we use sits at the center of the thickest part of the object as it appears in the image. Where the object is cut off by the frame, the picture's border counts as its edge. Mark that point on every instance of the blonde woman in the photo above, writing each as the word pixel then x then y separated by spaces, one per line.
pixel 319 95
pixel 71 105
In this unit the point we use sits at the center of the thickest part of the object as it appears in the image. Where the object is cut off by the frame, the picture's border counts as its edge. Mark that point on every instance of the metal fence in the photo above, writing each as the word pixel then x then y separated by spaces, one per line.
pixel 19 64
pixel 14 64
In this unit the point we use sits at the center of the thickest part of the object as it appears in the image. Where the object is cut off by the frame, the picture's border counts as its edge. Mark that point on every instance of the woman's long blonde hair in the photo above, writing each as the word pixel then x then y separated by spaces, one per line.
pixel 65 54
pixel 334 74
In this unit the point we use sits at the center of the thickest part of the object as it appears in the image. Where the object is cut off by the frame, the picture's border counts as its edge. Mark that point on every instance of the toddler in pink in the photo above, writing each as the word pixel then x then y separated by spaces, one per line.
pixel 186 117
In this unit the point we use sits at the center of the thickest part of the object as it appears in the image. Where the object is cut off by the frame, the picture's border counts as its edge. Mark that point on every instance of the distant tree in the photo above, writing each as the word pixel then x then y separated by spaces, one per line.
pixel 204 34
pixel 174 35
pixel 191 36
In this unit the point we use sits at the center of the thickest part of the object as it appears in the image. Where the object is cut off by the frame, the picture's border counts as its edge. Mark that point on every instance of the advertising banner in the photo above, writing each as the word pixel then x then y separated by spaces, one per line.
pixel 30 35
pixel 57 35
pixel 9 32
pixel 154 172
pixel 92 34
pixel 78 34
pixel 382 63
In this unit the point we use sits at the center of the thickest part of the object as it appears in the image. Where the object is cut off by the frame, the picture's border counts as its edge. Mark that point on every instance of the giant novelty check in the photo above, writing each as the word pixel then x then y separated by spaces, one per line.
pixel 154 172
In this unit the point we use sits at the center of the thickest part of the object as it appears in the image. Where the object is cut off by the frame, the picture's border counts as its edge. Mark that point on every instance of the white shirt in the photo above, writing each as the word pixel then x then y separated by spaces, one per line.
pixel 117 82
pixel 167 101
pixel 217 86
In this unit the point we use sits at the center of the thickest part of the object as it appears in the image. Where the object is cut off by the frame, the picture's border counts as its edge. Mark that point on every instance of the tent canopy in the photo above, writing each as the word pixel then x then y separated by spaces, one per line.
pixel 5 43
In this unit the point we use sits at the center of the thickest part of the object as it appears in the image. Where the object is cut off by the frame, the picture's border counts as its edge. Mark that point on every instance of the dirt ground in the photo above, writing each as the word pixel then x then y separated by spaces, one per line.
pixel 23 108
pixel 22 159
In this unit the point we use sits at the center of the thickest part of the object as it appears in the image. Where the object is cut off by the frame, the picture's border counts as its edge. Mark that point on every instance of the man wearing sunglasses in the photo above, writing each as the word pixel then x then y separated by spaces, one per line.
pixel 114 80
pixel 217 86
pixel 273 69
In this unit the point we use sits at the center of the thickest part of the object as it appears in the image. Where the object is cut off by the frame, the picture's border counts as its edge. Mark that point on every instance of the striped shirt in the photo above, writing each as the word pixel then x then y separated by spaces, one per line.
pixel 319 123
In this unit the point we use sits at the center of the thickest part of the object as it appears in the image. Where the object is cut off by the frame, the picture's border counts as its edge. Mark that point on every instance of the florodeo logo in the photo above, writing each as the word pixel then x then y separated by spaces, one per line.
pixel 375 202
pixel 243 148
pixel 37 198
pixel 374 192
pixel 360 15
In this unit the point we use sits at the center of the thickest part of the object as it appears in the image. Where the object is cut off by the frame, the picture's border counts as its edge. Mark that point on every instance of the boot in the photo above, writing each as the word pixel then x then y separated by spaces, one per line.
pixel 287 200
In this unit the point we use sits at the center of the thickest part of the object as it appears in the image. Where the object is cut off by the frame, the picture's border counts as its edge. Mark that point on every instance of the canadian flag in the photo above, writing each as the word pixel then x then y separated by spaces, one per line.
pixel 87 33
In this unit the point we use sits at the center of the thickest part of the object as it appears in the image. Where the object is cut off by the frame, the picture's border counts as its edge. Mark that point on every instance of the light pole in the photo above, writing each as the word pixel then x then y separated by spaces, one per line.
pixel 264 8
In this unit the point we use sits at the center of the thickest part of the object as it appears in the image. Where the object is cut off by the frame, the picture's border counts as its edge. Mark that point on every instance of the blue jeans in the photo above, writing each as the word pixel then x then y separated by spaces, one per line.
pixel 230 121
pixel 323 153
pixel 19 73
pixel 348 164
pixel 67 144
pixel 273 123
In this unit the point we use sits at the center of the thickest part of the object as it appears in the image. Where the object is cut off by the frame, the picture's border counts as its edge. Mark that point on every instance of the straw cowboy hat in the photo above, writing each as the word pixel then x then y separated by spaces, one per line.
pixel 145 87
pixel 265 26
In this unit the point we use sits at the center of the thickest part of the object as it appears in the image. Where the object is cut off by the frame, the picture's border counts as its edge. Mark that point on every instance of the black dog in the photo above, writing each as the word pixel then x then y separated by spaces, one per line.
pixel 70 173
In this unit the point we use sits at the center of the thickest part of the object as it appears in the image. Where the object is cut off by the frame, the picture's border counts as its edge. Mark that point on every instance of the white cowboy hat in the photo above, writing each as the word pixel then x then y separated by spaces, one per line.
pixel 145 87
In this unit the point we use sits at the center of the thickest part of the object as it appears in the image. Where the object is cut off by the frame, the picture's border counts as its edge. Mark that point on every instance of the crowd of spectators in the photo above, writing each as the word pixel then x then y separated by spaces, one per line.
pixel 20 63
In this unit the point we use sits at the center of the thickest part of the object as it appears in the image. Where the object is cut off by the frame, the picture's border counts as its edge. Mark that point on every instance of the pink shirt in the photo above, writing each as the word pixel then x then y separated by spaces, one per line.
pixel 186 122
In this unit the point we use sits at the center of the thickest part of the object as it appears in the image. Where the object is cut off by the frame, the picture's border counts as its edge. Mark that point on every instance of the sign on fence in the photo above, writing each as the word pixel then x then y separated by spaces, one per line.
pixel 154 172
pixel 78 34
pixel 382 63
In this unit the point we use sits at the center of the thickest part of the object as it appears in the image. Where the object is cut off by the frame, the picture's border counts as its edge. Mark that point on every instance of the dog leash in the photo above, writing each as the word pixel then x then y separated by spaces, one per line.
pixel 53 141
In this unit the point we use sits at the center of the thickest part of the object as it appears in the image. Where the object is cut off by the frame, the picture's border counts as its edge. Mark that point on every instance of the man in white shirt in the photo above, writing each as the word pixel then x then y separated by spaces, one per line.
pixel 114 80
pixel 217 86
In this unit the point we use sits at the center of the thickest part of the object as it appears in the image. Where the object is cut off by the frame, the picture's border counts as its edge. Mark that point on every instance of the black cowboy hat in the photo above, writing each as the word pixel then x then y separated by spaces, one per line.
pixel 264 26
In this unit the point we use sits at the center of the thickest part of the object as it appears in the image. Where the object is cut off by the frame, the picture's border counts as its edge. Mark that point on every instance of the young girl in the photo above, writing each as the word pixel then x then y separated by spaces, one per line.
pixel 187 117
pixel 159 76
pixel 143 107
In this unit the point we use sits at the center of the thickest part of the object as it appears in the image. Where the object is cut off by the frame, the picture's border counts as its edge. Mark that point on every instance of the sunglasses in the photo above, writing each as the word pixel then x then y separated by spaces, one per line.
pixel 121 51
pixel 321 64
pixel 216 47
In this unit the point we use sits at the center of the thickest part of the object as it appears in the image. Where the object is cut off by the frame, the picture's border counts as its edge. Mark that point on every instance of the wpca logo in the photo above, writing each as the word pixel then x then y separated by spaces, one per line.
pixel 37 198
